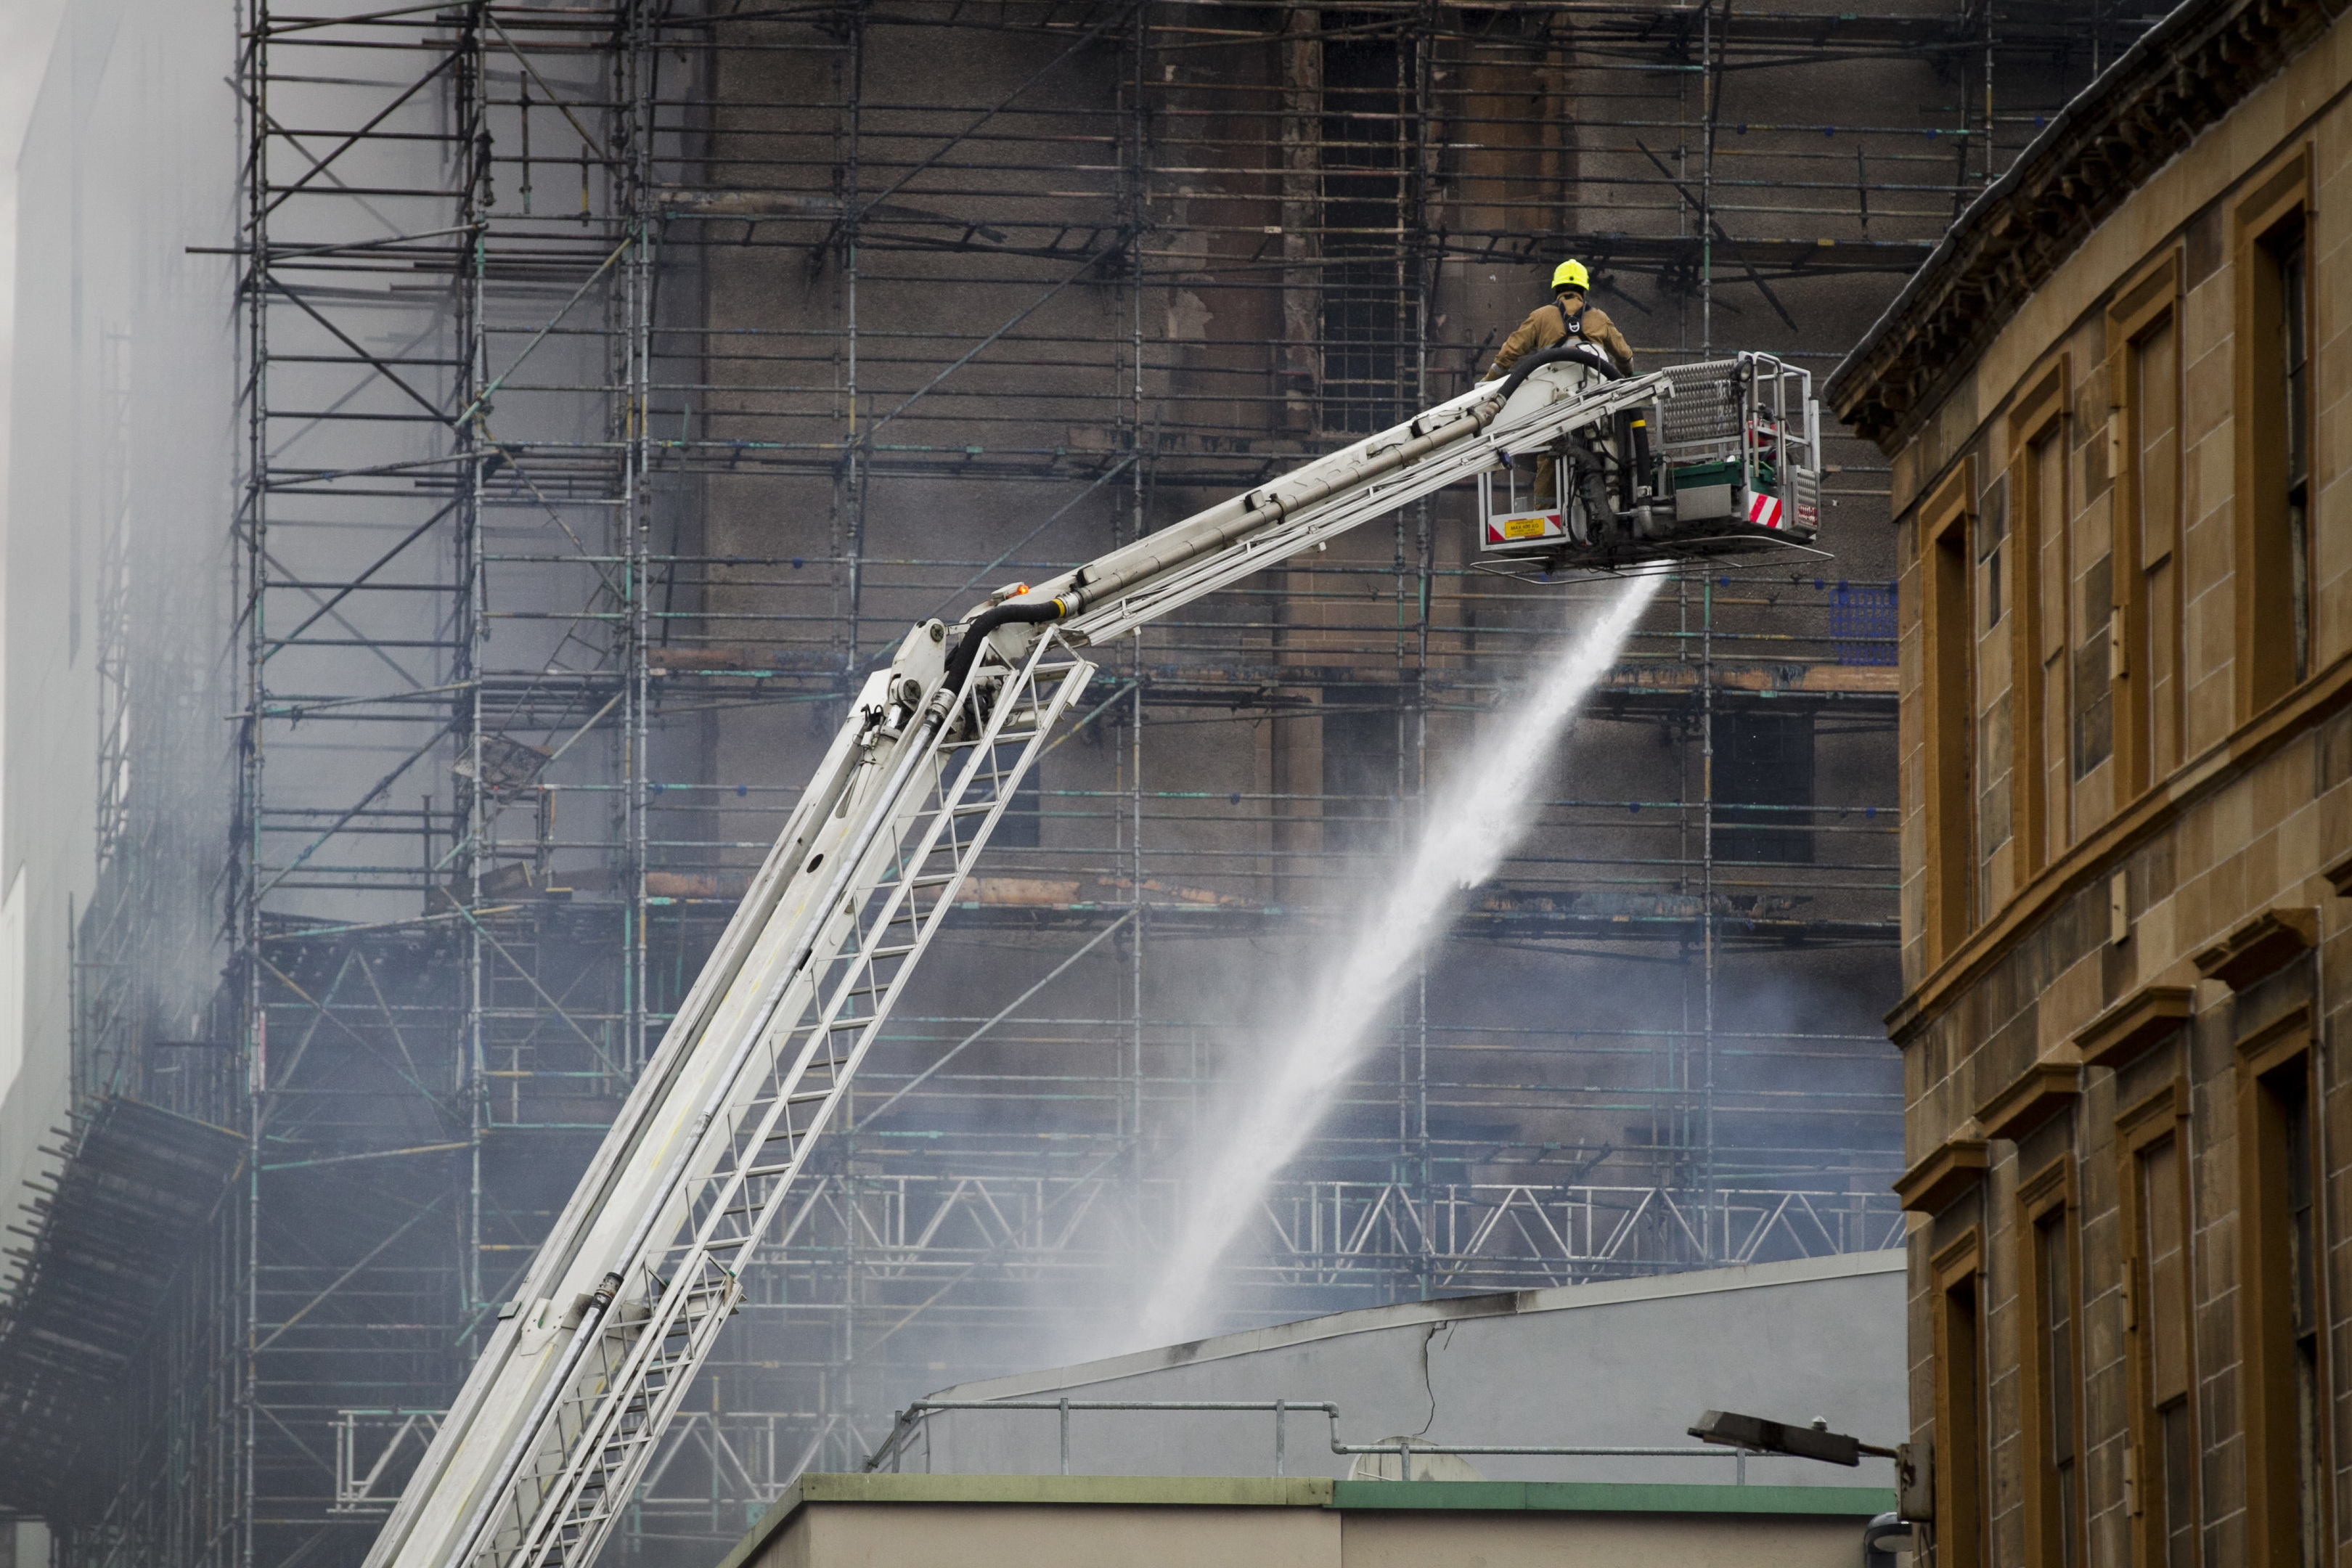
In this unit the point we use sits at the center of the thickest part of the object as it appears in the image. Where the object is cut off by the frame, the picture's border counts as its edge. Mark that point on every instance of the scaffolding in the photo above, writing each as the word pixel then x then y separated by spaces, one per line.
pixel 620 380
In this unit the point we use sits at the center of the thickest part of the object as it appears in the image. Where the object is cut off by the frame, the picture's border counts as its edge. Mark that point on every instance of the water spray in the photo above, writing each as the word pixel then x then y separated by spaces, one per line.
pixel 1476 821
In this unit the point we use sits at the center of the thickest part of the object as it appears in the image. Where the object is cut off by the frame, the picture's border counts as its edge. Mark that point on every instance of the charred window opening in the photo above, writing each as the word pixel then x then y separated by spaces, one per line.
pixel 1023 825
pixel 1763 785
pixel 1368 311
pixel 1362 750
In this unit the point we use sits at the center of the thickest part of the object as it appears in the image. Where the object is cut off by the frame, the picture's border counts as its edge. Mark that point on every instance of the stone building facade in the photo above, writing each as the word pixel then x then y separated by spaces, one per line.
pixel 2116 402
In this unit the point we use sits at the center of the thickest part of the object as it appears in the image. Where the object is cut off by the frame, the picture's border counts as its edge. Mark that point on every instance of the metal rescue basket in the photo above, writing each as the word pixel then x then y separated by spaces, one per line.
pixel 1739 442
pixel 1724 462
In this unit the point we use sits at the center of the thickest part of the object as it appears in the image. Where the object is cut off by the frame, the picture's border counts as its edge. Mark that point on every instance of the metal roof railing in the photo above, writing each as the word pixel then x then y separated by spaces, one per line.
pixel 915 1419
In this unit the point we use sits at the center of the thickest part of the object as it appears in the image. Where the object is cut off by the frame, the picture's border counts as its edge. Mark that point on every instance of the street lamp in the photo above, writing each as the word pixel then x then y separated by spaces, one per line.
pixel 1759 1436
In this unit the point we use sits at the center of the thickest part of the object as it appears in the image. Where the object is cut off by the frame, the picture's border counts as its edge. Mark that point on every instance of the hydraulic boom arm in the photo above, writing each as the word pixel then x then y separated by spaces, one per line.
pixel 627 1295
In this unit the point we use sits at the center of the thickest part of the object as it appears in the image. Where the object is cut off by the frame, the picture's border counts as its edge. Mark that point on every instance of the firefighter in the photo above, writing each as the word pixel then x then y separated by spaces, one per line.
pixel 1568 318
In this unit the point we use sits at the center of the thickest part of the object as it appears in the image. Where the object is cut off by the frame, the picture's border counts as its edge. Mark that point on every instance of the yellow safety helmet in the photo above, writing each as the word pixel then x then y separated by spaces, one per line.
pixel 1571 275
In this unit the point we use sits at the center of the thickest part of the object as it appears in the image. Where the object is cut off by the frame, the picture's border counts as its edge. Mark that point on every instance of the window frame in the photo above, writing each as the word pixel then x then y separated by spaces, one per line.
pixel 2038 415
pixel 2161 1115
pixel 2150 300
pixel 1947 566
pixel 2265 1311
pixel 1963 1452
pixel 2277 199
pixel 2050 1527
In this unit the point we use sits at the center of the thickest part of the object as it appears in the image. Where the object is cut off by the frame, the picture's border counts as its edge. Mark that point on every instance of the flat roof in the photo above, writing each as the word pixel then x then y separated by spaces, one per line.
pixel 1274 1491
pixel 1452 1308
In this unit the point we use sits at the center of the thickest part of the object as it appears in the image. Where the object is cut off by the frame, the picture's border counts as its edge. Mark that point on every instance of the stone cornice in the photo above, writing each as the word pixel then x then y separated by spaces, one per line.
pixel 1951 1169
pixel 2179 79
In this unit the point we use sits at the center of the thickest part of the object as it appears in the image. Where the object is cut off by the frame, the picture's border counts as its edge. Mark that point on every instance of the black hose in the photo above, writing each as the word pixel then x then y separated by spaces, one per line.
pixel 967 648
pixel 1559 353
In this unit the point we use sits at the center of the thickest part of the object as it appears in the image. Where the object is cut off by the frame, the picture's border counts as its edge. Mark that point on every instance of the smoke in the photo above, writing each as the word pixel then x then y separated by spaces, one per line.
pixel 1473 824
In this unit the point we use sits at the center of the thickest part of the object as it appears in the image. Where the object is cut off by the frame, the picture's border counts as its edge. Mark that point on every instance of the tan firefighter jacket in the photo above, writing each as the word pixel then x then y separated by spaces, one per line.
pixel 1558 322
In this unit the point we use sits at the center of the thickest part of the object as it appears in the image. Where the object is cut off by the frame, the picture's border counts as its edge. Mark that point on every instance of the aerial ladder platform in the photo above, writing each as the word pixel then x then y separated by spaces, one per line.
pixel 1580 470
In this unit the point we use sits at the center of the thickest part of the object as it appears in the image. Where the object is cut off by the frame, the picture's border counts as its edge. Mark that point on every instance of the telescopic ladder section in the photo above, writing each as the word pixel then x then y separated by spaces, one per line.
pixel 797 1076
pixel 625 1296
pixel 597 1380
pixel 798 1073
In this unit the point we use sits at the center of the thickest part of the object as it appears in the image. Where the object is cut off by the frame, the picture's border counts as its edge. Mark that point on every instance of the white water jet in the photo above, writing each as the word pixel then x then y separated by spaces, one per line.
pixel 1474 822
